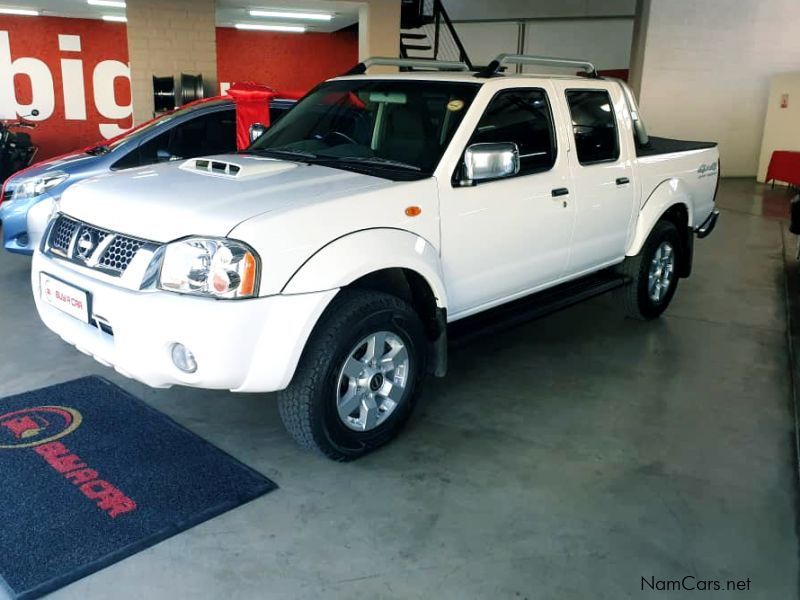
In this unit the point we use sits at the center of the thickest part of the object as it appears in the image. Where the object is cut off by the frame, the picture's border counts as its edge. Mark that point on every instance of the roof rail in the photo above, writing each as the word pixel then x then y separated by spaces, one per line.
pixel 411 63
pixel 493 69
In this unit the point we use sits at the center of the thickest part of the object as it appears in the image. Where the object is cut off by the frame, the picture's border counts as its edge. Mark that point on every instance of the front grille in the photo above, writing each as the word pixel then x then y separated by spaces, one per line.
pixel 120 253
pixel 99 234
pixel 63 230
pixel 93 247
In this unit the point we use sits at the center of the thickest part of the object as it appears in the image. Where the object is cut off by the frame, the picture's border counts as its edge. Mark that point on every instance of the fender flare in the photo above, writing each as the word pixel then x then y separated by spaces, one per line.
pixel 667 194
pixel 345 259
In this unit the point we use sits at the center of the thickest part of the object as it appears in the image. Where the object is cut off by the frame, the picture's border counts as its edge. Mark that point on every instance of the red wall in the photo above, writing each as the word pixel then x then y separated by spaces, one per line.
pixel 285 61
pixel 37 37
pixel 289 62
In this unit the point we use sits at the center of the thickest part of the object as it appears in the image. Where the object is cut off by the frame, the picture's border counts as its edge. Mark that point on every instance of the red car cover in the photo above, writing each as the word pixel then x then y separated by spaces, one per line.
pixel 252 106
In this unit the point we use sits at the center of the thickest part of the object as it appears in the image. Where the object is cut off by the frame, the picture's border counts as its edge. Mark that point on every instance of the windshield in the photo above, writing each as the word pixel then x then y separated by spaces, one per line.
pixel 397 129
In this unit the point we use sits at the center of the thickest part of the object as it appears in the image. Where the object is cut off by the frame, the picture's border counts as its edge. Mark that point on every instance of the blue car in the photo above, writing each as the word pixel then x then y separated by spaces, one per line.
pixel 205 127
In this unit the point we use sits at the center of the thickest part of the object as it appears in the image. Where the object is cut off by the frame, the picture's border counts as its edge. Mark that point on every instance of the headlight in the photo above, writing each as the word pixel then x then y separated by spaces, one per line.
pixel 36 186
pixel 219 268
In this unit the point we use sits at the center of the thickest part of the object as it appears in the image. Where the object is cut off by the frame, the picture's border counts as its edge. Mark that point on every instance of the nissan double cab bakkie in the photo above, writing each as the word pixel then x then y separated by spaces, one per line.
pixel 327 261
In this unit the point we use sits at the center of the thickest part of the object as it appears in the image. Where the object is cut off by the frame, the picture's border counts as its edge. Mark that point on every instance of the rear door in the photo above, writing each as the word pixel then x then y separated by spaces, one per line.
pixel 602 174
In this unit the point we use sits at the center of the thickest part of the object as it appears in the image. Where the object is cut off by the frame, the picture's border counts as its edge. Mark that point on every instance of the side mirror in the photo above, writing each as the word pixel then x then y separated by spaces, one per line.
pixel 483 162
pixel 163 155
pixel 256 131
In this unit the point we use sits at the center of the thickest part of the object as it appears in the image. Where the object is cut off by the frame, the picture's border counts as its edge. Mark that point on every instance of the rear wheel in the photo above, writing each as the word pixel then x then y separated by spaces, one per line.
pixel 359 376
pixel 653 273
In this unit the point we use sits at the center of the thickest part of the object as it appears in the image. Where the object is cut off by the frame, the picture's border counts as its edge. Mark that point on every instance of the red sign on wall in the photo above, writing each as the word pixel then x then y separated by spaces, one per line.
pixel 73 71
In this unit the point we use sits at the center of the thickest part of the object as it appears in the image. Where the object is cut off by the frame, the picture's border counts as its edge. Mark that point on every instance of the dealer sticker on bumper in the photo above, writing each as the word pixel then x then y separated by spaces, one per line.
pixel 64 297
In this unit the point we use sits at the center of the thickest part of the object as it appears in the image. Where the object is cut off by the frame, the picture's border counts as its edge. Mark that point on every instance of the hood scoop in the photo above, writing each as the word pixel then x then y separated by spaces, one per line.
pixel 236 170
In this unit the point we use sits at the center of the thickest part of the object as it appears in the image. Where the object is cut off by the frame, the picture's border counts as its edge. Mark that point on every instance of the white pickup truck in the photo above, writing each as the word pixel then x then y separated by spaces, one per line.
pixel 326 262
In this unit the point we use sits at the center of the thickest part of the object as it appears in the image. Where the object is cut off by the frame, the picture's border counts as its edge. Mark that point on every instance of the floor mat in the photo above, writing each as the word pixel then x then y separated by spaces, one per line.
pixel 91 475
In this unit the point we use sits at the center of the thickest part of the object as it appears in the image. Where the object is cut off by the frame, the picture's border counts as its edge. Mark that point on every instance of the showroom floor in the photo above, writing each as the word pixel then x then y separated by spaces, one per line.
pixel 565 459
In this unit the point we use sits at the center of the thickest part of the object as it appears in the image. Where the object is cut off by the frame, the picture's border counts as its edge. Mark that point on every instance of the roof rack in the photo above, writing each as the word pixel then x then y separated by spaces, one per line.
pixel 410 63
pixel 493 69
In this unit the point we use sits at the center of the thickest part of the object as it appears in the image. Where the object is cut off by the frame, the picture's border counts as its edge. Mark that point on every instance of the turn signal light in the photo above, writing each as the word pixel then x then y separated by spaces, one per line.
pixel 248 275
pixel 413 211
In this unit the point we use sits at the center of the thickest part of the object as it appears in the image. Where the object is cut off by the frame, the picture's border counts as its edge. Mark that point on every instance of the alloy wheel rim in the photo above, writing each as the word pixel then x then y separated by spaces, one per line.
pixel 373 381
pixel 662 270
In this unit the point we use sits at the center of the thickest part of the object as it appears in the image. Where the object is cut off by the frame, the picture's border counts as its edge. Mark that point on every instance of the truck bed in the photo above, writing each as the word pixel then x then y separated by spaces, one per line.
pixel 659 145
pixel 690 172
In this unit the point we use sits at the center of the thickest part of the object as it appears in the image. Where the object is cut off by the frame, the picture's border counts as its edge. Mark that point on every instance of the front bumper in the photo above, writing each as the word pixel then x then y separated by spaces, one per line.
pixel 240 345
pixel 24 223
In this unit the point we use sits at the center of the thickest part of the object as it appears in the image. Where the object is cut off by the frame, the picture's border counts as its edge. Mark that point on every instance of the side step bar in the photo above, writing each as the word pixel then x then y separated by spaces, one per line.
pixel 532 307
pixel 705 229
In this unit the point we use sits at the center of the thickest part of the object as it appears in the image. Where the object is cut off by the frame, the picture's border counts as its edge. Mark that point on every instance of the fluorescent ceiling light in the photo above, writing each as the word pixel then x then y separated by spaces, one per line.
pixel 23 12
pixel 111 3
pixel 278 14
pixel 115 18
pixel 284 28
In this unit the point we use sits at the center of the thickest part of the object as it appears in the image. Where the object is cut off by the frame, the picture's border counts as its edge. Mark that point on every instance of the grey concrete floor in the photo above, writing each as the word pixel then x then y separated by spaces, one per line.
pixel 567 458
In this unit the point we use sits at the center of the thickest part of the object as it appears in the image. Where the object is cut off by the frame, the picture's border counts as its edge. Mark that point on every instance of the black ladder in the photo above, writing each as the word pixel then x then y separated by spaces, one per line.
pixel 427 32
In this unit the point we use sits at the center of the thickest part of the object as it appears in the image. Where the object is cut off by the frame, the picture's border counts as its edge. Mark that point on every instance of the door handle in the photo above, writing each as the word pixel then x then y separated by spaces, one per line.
pixel 623 180
pixel 560 192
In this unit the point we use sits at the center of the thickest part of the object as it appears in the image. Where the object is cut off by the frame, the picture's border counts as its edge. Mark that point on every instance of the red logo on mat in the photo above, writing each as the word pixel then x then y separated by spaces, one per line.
pixel 31 427
pixel 78 473
pixel 25 427
pixel 39 428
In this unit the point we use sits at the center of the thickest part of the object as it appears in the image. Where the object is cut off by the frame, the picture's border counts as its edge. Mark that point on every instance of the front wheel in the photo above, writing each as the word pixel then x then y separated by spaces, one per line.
pixel 359 376
pixel 653 273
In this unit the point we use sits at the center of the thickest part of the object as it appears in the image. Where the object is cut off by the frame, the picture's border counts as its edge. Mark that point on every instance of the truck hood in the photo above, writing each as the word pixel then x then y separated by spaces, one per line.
pixel 206 197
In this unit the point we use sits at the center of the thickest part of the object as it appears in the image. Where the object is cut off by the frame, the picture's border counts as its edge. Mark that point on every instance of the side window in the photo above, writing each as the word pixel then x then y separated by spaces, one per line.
pixel 594 126
pixel 522 117
pixel 214 133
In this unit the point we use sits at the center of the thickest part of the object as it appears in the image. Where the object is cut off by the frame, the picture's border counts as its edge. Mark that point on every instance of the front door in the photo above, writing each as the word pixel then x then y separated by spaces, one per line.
pixel 504 238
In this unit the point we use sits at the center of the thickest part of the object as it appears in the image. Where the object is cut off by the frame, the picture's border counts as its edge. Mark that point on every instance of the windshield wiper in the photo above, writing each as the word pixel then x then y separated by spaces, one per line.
pixel 377 160
pixel 281 152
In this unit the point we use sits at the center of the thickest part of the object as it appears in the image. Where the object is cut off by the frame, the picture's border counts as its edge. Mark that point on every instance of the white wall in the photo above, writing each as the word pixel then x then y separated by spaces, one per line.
pixel 782 125
pixel 706 70
pixel 488 10
pixel 484 41
pixel 606 42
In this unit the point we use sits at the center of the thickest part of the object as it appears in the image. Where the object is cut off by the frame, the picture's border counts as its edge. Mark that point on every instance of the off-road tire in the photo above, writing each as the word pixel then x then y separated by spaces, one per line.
pixel 308 406
pixel 634 297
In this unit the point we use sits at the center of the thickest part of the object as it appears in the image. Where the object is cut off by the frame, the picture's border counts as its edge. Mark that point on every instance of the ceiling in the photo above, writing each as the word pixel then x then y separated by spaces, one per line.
pixel 229 12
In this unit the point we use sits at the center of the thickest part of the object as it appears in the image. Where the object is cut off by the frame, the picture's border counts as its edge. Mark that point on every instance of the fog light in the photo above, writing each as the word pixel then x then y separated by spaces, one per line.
pixel 183 358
